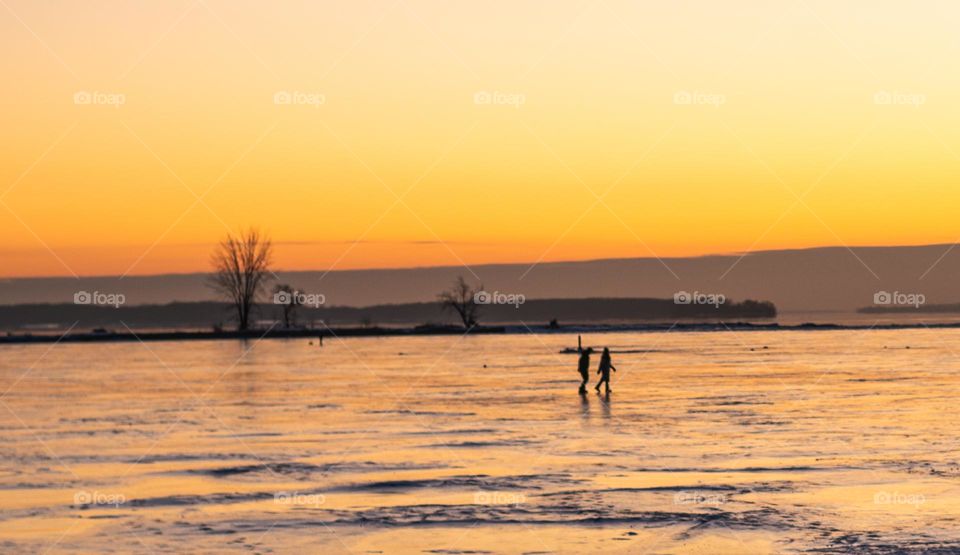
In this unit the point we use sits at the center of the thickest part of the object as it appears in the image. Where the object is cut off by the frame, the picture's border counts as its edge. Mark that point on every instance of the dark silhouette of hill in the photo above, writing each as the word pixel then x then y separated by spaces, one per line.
pixel 204 315
pixel 818 279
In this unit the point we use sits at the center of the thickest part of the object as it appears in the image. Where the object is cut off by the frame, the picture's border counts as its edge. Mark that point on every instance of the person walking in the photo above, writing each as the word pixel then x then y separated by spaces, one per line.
pixel 604 370
pixel 584 367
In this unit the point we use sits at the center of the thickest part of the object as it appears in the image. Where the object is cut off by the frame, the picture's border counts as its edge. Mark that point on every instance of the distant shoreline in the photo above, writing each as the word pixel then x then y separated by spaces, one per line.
pixel 219 315
pixel 337 333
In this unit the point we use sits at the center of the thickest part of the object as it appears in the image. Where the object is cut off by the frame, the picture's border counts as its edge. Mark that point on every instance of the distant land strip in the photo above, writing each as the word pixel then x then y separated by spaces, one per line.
pixel 336 334
pixel 953 308
pixel 216 316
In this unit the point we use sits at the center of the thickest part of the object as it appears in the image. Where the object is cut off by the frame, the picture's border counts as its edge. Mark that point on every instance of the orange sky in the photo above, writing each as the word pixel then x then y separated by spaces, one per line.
pixel 136 134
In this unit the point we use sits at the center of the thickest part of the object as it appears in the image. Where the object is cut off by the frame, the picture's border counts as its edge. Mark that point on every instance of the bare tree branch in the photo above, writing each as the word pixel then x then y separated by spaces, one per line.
pixel 289 300
pixel 461 299
pixel 241 266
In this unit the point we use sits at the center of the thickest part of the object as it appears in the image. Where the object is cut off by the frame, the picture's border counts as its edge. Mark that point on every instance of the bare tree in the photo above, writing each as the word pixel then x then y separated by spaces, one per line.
pixel 241 265
pixel 461 299
pixel 289 300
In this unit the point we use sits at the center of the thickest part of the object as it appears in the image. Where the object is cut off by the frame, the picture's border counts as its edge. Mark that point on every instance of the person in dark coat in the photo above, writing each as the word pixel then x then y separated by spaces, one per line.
pixel 604 370
pixel 584 367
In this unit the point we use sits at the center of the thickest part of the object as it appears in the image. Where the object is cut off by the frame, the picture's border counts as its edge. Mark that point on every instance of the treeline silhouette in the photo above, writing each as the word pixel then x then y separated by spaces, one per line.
pixel 953 308
pixel 210 315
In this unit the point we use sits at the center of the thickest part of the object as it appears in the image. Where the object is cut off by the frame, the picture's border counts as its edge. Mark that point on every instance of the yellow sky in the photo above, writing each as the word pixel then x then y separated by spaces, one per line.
pixel 133 135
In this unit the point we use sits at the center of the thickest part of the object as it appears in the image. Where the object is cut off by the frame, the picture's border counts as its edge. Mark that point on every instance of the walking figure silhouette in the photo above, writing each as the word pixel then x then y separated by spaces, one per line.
pixel 604 370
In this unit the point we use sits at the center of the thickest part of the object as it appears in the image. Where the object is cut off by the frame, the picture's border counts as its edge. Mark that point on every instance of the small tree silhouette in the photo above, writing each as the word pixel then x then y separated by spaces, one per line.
pixel 286 297
pixel 461 299
pixel 241 265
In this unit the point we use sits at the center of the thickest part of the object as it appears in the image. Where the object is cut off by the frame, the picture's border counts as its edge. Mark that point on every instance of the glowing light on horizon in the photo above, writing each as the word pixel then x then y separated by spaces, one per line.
pixel 423 133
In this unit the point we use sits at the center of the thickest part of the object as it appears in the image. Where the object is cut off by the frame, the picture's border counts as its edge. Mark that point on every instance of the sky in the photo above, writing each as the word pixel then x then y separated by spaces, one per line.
pixel 385 134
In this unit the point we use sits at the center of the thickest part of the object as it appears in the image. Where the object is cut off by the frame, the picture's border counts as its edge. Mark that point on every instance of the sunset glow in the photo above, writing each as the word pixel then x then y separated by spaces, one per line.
pixel 434 133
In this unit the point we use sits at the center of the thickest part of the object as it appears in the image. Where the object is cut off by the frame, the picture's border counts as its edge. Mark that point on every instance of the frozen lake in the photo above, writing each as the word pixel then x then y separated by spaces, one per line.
pixel 752 442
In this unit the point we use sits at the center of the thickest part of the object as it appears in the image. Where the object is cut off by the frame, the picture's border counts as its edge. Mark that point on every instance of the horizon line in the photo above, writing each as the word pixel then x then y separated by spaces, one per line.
pixel 4 279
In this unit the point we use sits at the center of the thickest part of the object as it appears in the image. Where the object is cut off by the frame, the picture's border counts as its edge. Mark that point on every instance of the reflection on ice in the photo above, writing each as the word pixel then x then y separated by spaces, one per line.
pixel 710 442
